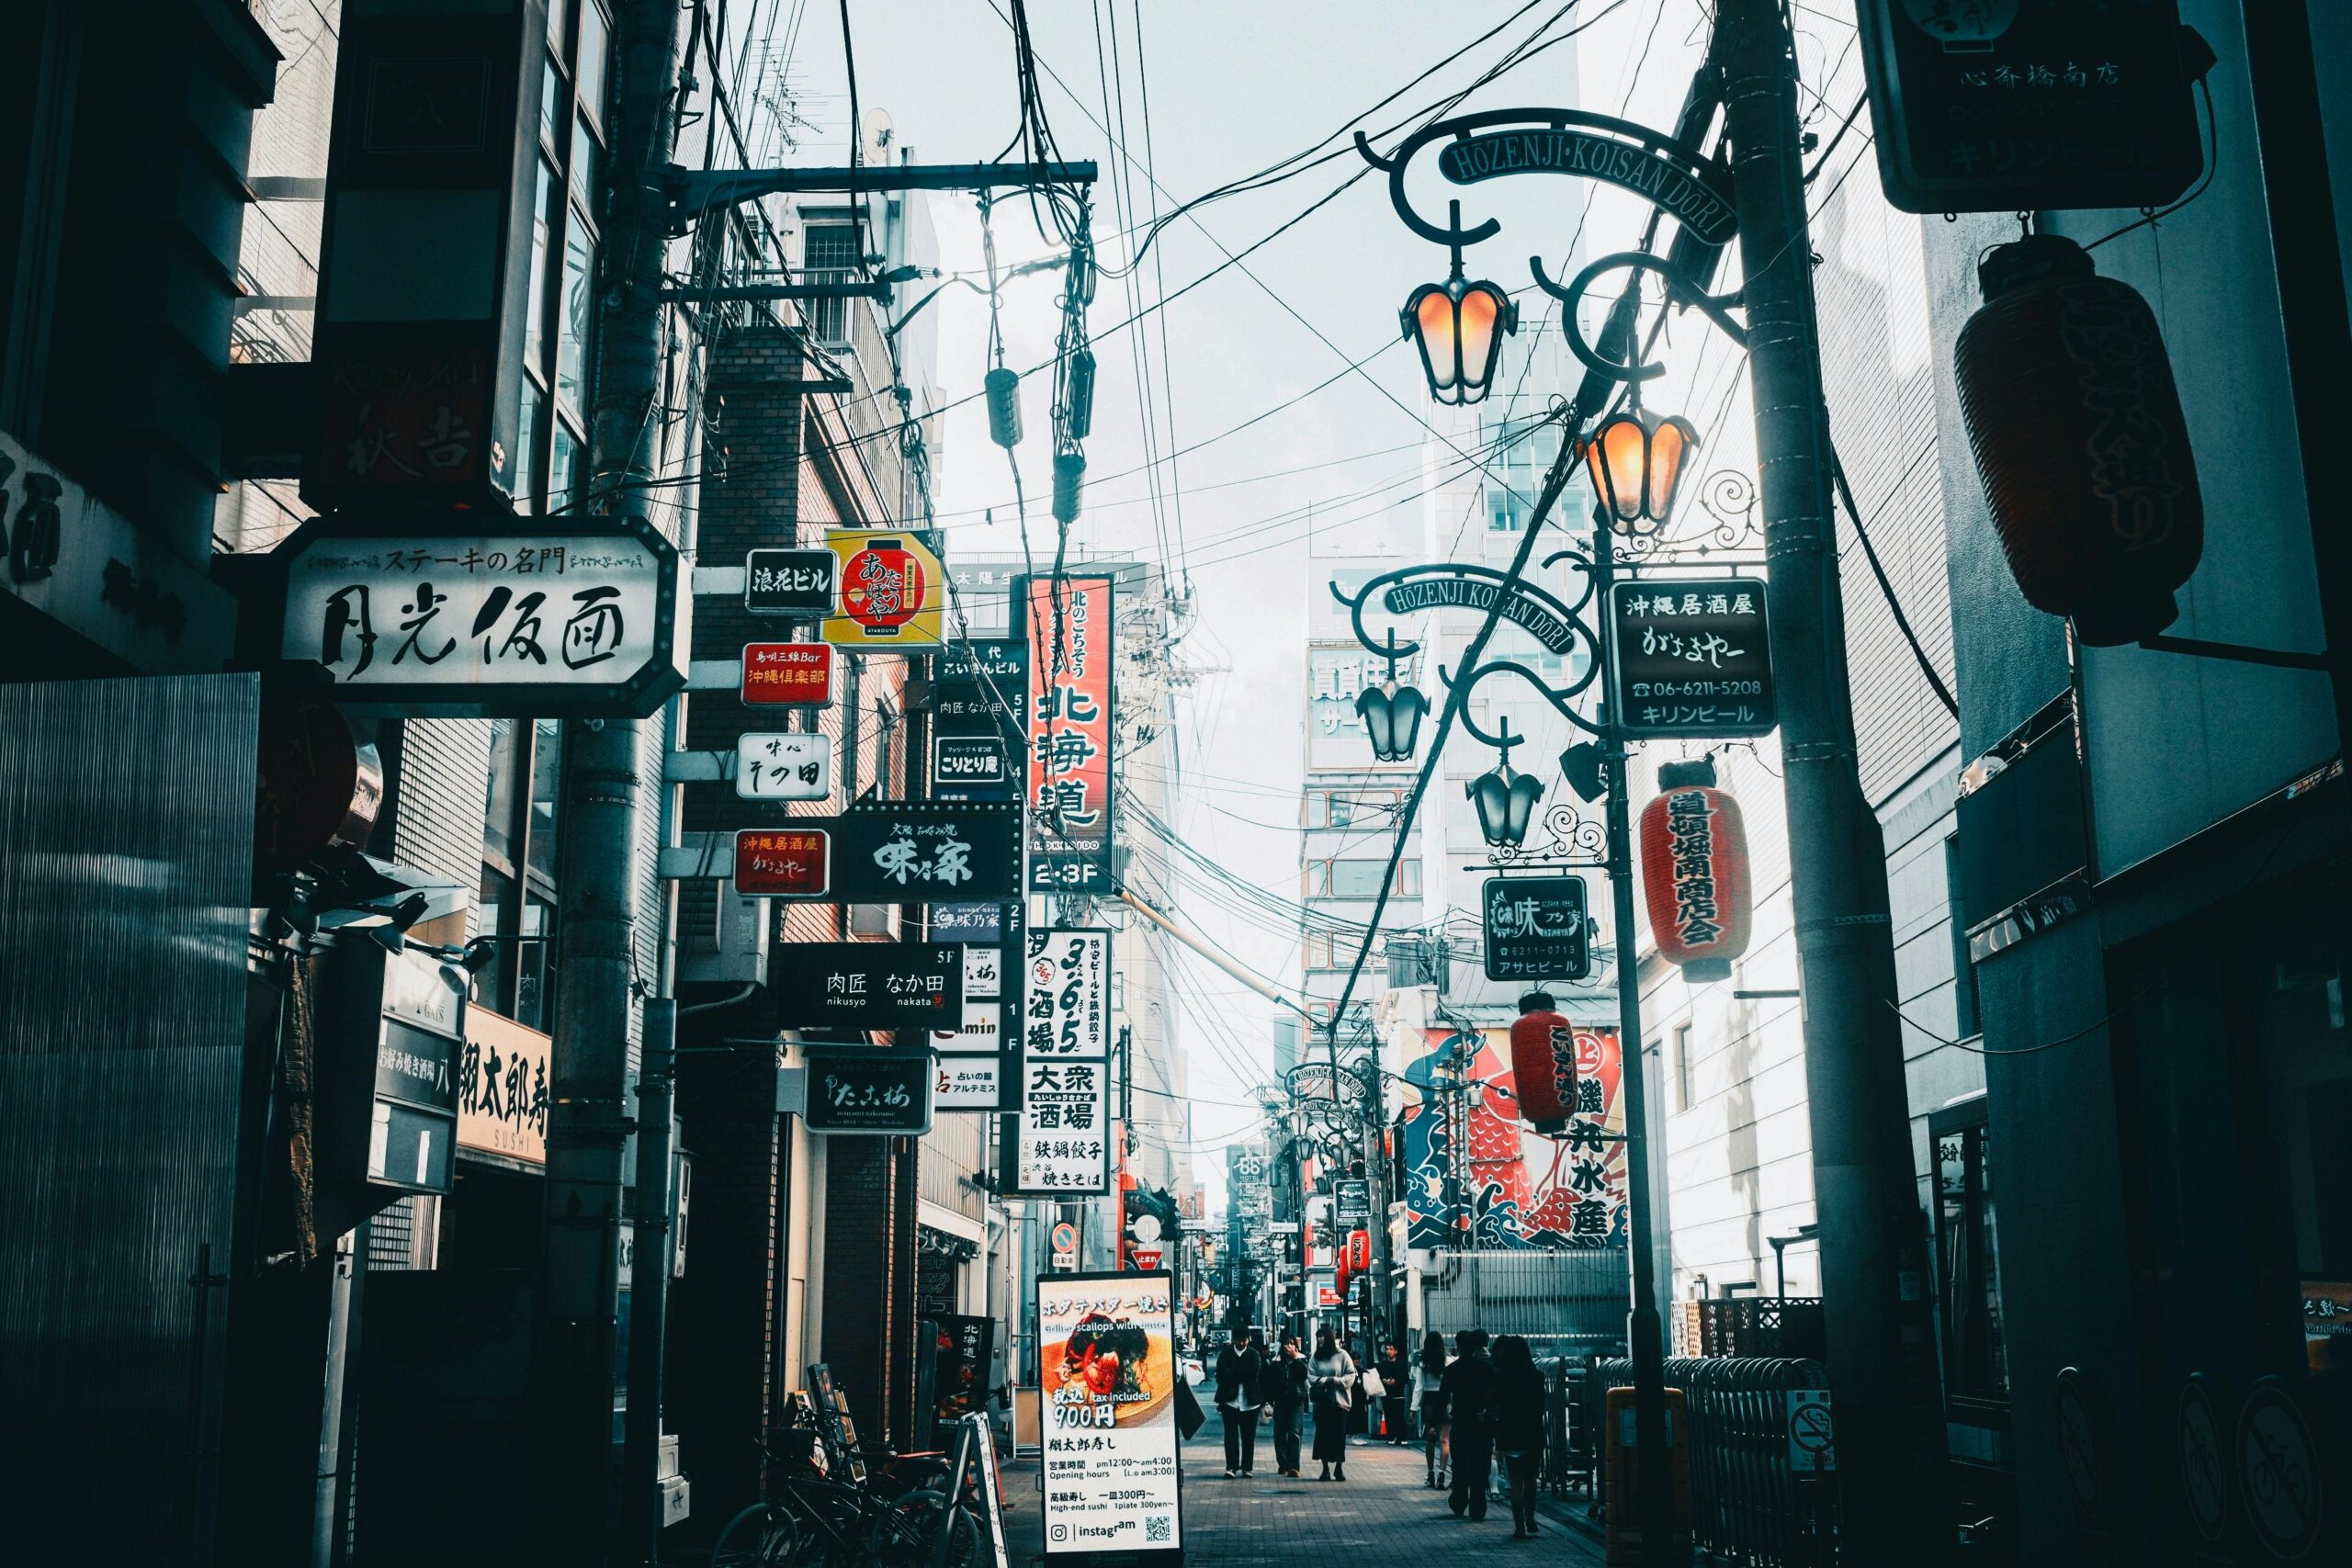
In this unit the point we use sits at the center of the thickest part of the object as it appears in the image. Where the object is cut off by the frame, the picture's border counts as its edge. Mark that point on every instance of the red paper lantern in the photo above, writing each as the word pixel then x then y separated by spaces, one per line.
pixel 1359 1252
pixel 1543 1064
pixel 1695 878
pixel 2079 440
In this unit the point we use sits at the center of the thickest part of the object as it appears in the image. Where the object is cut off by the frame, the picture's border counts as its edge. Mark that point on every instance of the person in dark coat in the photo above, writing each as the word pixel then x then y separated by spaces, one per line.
pixel 1332 1377
pixel 1395 1381
pixel 1240 1377
pixel 1287 1387
pixel 1520 1410
pixel 1429 1408
pixel 1469 1388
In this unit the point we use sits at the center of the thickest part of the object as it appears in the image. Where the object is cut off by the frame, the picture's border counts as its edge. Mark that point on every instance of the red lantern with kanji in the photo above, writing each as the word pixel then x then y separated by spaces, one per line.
pixel 1359 1252
pixel 1543 1064
pixel 2076 422
pixel 1695 874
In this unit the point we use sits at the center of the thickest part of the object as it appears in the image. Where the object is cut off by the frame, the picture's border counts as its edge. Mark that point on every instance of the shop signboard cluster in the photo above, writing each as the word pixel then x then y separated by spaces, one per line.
pixel 970 1070
pixel 1107 1391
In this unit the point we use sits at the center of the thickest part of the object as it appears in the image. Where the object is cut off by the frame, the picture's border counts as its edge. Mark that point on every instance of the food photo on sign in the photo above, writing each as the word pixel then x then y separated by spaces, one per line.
pixel 1107 1390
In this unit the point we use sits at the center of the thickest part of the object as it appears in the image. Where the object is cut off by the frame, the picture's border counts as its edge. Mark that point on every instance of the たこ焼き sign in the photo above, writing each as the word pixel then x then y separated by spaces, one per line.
pixel 444 619
pixel 890 591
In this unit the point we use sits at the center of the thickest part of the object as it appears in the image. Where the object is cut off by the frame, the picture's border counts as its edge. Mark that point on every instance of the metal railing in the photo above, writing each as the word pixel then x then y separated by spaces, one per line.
pixel 1563 1301
pixel 1749 1326
pixel 1746 1506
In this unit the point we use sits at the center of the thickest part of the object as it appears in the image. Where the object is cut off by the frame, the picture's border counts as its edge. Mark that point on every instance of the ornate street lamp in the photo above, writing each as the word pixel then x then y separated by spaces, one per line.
pixel 1505 799
pixel 1636 459
pixel 1459 327
pixel 1392 714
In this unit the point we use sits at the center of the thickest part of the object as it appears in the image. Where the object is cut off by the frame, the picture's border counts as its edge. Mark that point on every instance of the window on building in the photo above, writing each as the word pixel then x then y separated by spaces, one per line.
pixel 1349 807
pixel 1965 1001
pixel 1358 878
pixel 521 808
pixel 830 252
pixel 1681 1067
pixel 1968 1274
pixel 559 346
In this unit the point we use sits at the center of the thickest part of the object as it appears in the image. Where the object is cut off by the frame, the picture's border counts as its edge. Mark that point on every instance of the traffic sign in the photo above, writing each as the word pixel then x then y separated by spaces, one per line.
pixel 787 675
pixel 1065 1236
pixel 1813 1442
pixel 2204 1479
pixel 2280 1471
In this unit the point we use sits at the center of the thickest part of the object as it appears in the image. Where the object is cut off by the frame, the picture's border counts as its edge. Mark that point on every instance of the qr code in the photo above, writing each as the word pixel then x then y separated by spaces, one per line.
pixel 1157 1527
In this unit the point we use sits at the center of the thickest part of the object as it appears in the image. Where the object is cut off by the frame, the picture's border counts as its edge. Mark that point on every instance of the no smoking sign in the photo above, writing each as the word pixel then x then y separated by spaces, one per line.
pixel 1813 1439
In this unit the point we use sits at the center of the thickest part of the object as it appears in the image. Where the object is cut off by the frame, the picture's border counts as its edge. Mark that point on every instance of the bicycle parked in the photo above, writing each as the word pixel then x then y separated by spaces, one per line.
pixel 817 1517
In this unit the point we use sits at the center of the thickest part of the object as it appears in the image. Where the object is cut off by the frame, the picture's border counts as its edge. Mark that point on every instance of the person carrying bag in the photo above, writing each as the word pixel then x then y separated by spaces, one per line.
pixel 1333 1373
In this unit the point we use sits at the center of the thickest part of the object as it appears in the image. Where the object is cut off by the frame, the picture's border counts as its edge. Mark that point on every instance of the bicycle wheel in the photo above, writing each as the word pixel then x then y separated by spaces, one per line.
pixel 758 1537
pixel 906 1534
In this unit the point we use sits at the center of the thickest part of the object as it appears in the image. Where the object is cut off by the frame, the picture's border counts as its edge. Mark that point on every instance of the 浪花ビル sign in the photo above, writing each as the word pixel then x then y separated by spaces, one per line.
pixel 789 582
pixel 444 618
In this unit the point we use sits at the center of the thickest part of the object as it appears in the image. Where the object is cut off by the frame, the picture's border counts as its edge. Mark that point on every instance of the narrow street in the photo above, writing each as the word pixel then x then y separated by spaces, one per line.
pixel 1383 1512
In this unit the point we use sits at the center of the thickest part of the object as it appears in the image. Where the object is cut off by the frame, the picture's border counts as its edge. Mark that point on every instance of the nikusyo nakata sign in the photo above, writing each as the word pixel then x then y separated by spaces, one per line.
pixel 449 619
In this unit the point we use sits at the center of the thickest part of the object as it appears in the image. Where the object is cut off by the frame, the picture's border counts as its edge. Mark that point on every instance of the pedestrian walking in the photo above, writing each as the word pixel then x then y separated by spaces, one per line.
pixel 1429 1408
pixel 1469 1388
pixel 1240 1378
pixel 1396 1382
pixel 1287 1387
pixel 1520 1421
pixel 1331 1374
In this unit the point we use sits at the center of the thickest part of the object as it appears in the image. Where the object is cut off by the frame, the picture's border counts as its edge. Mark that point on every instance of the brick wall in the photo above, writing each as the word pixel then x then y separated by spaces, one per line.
pixel 867 1276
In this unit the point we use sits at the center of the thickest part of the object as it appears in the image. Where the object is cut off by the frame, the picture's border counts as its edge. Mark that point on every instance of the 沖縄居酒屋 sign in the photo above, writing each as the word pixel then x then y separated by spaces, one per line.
pixel 1690 659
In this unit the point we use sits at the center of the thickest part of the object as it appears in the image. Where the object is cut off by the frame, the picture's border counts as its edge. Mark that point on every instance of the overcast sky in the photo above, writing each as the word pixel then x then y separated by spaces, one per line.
pixel 1233 86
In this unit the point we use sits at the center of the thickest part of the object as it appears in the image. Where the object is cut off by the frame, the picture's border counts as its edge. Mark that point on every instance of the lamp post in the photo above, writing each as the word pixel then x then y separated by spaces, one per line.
pixel 1882 1370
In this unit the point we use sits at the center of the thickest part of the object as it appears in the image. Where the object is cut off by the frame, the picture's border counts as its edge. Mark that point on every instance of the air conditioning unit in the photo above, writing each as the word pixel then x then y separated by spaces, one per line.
pixel 723 938
pixel 874 920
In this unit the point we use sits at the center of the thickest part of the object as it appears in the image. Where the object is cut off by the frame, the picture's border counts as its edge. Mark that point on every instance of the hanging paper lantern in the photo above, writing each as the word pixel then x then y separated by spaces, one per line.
pixel 1543 1064
pixel 1695 876
pixel 2079 439
pixel 1359 1252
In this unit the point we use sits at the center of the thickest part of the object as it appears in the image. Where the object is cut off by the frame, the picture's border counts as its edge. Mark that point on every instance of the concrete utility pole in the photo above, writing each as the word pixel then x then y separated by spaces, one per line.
pixel 588 1120
pixel 1891 1460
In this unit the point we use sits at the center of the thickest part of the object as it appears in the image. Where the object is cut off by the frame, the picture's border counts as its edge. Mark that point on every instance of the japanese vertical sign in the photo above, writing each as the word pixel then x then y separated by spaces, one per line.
pixel 1061 1139
pixel 1072 699
pixel 1107 1388
pixel 539 621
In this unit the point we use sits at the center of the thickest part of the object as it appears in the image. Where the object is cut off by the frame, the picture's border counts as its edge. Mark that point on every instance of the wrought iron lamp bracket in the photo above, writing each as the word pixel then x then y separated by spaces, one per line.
pixel 1679 287
pixel 1558 696
pixel 1649 146
pixel 1388 647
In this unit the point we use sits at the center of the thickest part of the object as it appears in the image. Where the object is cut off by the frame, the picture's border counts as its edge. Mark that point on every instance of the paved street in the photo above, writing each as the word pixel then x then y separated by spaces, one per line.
pixel 1382 1514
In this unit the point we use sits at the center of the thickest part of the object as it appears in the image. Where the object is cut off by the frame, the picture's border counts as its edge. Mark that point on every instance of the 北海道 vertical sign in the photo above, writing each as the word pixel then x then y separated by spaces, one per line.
pixel 1107 1395
pixel 1069 626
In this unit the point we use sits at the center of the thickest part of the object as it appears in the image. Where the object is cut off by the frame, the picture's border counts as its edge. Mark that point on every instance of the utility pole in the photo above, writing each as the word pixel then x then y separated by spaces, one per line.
pixel 655 1249
pixel 1891 1460
pixel 1645 1329
pixel 588 1121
